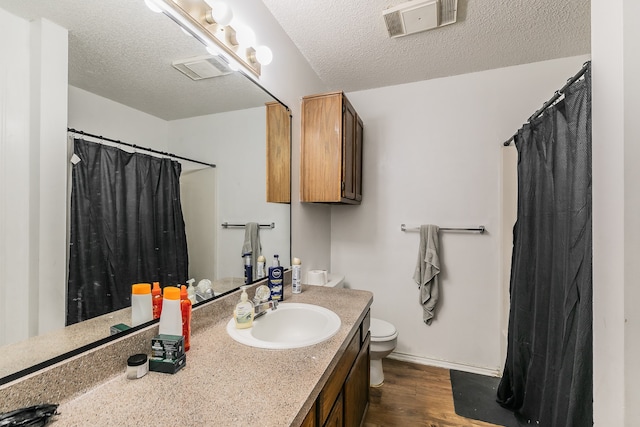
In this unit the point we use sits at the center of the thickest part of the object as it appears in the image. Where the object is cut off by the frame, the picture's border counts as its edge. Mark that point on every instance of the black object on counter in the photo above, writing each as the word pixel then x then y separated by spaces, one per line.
pixel 32 416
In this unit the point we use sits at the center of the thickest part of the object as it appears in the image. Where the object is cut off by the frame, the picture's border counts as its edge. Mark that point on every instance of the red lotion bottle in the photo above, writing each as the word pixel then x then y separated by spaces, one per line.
pixel 156 300
pixel 185 308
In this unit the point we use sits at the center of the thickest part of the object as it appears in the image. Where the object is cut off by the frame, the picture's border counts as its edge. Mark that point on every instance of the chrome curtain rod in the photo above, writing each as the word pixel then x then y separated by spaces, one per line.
pixel 554 98
pixel 137 147
pixel 227 225
pixel 479 229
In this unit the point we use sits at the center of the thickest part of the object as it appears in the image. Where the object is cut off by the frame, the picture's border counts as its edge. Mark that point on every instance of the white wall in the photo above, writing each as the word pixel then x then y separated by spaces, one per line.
pixel 289 77
pixel 101 116
pixel 433 154
pixel 235 142
pixel 32 172
pixel 615 43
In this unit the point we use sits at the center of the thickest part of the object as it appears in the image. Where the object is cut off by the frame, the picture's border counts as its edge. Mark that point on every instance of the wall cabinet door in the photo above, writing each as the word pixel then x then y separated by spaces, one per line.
pixel 278 153
pixel 331 150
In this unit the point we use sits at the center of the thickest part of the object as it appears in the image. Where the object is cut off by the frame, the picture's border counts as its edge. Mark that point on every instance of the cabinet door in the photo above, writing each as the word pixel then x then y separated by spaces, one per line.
pixel 358 160
pixel 356 388
pixel 278 153
pixel 348 150
pixel 336 418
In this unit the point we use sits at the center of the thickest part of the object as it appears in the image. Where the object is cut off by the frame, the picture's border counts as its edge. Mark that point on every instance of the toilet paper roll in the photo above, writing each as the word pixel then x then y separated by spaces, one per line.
pixel 317 277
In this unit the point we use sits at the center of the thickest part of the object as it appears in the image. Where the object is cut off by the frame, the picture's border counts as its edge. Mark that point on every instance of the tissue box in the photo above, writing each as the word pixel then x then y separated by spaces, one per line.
pixel 167 347
pixel 167 366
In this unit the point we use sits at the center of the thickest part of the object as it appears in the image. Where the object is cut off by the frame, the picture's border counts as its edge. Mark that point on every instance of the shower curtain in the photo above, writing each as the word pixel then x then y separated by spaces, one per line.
pixel 126 227
pixel 547 378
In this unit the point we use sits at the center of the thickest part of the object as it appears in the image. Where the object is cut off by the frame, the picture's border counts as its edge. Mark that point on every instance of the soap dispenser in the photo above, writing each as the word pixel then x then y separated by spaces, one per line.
pixel 243 314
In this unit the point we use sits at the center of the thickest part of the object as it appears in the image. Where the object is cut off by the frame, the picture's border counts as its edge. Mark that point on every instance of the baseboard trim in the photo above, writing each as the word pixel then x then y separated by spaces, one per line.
pixel 403 357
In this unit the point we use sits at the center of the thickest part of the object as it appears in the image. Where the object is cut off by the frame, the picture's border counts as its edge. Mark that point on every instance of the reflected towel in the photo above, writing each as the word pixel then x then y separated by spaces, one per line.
pixel 252 245
pixel 427 270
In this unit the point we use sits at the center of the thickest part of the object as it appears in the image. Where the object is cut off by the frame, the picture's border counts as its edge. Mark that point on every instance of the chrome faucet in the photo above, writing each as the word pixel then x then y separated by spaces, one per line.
pixel 261 309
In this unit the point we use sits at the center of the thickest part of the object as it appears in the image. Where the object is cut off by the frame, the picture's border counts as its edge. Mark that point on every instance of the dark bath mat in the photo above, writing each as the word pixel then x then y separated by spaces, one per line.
pixel 474 397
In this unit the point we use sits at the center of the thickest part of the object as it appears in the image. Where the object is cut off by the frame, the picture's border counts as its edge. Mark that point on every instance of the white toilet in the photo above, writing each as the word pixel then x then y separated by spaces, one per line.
pixel 384 336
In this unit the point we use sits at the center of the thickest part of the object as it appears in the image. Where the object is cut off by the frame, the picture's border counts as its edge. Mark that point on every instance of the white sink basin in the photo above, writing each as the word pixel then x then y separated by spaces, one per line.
pixel 291 325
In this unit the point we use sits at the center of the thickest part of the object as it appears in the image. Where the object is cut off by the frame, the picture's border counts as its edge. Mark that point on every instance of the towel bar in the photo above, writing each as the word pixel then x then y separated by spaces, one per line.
pixel 481 229
pixel 227 225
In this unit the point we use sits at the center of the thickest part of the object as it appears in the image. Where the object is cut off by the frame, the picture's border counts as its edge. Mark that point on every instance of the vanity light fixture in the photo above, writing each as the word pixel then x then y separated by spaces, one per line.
pixel 212 23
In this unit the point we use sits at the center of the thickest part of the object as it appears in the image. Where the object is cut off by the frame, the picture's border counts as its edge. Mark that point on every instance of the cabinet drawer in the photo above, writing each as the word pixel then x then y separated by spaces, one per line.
pixel 333 387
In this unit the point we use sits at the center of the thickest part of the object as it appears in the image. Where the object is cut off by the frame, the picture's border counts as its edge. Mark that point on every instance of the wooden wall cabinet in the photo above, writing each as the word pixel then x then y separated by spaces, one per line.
pixel 331 150
pixel 344 399
pixel 278 153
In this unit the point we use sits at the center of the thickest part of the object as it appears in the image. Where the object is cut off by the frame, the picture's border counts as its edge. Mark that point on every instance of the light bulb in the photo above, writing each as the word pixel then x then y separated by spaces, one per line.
pixel 264 55
pixel 151 4
pixel 220 11
pixel 245 36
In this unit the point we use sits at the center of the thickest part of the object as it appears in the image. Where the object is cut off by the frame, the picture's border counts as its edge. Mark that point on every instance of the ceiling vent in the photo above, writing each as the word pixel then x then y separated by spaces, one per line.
pixel 419 15
pixel 202 67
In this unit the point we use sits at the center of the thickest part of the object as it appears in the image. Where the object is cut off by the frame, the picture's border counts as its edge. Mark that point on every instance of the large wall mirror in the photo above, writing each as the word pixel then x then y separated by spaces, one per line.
pixel 123 86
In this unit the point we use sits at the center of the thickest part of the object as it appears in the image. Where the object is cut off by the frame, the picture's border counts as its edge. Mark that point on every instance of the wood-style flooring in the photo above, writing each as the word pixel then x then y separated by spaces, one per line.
pixel 414 395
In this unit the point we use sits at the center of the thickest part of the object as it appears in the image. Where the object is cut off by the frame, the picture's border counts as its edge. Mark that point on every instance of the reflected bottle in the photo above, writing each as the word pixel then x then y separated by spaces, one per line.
pixel 185 310
pixel 141 305
pixel 156 299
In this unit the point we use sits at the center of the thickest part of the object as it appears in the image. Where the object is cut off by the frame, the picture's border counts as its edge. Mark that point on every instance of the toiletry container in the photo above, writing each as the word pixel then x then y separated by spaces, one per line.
pixel 156 300
pixel 296 282
pixel 191 291
pixel 137 366
pixel 243 314
pixel 171 317
pixel 275 280
pixel 141 305
pixel 248 269
pixel 260 273
pixel 185 311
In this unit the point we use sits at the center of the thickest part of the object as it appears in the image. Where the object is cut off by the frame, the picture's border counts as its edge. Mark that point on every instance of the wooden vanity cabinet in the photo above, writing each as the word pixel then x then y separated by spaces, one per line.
pixel 331 150
pixel 344 398
pixel 278 153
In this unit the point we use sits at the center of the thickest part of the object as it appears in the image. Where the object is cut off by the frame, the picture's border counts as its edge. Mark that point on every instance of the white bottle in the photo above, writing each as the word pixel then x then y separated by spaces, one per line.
pixel 191 291
pixel 141 305
pixel 243 314
pixel 171 316
pixel 260 274
pixel 296 285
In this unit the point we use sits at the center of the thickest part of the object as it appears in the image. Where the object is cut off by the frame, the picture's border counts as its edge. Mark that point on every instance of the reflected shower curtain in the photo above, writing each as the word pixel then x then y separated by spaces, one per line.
pixel 547 378
pixel 126 227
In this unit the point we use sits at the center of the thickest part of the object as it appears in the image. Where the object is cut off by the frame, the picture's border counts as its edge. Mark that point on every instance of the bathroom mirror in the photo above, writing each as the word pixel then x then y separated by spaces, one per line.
pixel 121 52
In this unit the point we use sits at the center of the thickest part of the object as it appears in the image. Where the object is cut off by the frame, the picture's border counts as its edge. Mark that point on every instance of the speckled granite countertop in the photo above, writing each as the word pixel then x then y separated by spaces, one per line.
pixel 225 383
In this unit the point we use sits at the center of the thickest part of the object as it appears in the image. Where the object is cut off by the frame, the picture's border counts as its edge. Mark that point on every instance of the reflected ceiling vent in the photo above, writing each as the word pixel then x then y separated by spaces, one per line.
pixel 202 67
pixel 419 15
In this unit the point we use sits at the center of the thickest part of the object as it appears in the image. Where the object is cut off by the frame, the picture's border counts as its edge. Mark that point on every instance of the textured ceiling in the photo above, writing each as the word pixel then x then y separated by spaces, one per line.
pixel 122 51
pixel 347 45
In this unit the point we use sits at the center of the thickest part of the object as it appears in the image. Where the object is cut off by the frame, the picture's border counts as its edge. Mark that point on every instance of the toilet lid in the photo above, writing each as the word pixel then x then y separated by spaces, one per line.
pixel 381 329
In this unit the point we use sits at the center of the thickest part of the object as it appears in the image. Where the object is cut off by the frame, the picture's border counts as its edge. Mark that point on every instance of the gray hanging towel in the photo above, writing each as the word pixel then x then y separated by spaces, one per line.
pixel 252 245
pixel 427 270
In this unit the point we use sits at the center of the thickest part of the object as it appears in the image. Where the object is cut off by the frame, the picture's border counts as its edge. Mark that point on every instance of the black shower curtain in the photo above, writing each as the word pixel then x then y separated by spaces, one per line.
pixel 126 227
pixel 547 378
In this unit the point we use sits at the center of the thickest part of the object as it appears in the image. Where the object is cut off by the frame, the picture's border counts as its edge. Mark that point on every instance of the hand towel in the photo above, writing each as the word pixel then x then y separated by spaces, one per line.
pixel 427 270
pixel 252 245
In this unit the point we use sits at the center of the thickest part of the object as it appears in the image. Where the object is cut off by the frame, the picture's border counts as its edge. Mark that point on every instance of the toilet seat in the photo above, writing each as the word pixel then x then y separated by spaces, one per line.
pixel 382 331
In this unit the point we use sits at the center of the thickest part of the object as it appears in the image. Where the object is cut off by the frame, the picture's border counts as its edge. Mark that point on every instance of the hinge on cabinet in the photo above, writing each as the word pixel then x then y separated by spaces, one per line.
pixel 342 185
